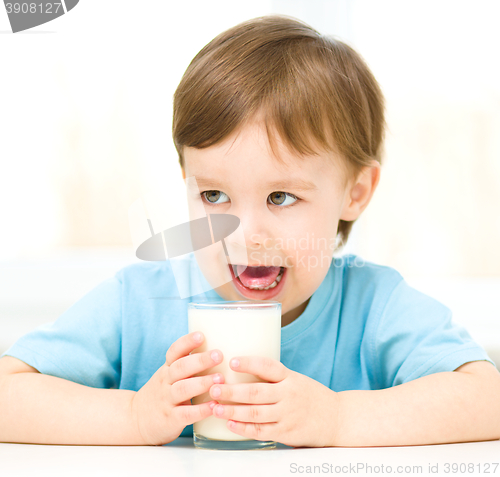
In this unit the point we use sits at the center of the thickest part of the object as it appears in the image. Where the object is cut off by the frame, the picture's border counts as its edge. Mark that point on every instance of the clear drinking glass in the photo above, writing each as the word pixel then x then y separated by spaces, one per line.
pixel 237 328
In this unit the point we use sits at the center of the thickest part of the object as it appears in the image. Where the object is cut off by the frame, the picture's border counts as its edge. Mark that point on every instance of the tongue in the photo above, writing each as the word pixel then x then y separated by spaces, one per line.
pixel 257 276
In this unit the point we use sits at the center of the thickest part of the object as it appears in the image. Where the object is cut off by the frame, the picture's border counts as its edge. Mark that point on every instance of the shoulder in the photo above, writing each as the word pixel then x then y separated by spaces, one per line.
pixel 386 289
pixel 143 280
pixel 366 281
pixel 143 270
pixel 145 273
pixel 149 279
pixel 360 269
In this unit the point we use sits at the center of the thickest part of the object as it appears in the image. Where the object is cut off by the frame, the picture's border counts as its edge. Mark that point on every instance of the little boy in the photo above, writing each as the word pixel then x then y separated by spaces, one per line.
pixel 282 127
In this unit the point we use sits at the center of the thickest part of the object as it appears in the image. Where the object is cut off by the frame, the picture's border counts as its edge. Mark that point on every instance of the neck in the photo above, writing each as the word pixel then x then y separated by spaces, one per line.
pixel 292 315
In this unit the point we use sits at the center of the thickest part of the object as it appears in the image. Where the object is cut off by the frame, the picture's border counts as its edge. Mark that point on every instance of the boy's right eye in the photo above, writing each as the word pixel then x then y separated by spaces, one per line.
pixel 213 196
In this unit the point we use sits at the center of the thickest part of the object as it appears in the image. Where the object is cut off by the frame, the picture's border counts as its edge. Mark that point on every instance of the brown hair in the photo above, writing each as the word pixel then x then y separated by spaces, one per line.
pixel 315 91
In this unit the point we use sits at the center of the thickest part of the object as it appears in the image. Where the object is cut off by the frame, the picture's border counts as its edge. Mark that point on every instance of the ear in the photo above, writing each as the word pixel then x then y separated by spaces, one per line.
pixel 183 173
pixel 360 191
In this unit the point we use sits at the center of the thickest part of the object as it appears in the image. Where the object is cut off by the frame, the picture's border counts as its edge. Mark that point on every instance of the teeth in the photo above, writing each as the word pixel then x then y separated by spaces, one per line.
pixel 266 288
pixel 278 278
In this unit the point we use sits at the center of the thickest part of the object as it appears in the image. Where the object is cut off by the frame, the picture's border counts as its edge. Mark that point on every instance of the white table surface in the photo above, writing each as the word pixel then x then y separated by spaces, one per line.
pixel 180 458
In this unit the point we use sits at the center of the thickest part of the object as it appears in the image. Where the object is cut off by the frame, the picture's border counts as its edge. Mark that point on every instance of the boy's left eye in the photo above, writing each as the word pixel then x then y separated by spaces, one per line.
pixel 281 199
pixel 277 198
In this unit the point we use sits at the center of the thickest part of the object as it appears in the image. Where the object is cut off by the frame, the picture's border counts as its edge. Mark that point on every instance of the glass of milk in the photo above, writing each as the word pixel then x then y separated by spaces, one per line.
pixel 237 328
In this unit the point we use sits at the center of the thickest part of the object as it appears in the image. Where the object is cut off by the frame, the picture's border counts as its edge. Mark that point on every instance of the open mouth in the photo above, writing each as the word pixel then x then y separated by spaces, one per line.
pixel 259 283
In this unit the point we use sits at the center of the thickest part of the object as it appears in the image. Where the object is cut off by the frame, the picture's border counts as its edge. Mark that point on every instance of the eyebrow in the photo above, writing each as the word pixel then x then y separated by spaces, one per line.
pixel 295 184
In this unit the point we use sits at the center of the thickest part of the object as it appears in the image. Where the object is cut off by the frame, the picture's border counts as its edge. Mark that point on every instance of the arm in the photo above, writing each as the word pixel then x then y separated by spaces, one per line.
pixel 459 406
pixel 38 408
pixel 298 411
pixel 44 409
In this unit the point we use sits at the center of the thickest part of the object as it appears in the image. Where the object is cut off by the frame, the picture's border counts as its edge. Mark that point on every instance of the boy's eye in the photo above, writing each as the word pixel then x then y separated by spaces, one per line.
pixel 280 198
pixel 277 198
pixel 213 196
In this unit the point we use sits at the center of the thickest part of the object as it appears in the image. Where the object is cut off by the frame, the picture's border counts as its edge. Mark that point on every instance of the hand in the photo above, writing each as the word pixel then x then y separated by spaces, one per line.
pixel 290 408
pixel 162 407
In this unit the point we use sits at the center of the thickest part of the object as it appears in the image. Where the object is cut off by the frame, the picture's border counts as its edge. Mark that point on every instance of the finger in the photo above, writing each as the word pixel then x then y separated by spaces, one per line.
pixel 183 346
pixel 267 369
pixel 193 412
pixel 247 393
pixel 257 431
pixel 192 364
pixel 249 413
pixel 185 389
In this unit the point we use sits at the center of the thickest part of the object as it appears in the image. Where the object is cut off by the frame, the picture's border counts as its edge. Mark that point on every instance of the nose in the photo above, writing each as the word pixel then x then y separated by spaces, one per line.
pixel 256 225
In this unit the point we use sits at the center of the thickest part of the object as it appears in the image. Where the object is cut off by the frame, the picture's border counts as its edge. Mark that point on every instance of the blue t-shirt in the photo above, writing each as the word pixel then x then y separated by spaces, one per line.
pixel 363 328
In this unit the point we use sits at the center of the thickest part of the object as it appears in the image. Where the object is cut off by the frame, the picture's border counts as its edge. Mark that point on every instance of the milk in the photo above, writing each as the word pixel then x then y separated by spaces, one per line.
pixel 244 328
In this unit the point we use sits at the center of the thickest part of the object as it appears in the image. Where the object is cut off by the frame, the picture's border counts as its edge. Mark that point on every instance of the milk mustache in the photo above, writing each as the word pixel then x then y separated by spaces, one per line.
pixel 238 328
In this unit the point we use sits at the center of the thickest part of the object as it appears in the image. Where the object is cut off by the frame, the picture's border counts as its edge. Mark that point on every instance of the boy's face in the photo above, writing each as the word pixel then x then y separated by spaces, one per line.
pixel 289 213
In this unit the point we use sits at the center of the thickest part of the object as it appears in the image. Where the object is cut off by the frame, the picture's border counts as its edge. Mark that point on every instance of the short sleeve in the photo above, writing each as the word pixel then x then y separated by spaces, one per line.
pixel 416 336
pixel 84 344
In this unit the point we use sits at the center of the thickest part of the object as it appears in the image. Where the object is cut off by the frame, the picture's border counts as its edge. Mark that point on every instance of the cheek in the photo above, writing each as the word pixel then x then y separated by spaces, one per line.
pixel 310 249
pixel 213 264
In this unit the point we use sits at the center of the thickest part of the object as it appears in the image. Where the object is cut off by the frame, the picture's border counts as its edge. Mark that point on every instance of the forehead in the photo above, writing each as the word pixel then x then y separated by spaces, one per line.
pixel 247 152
